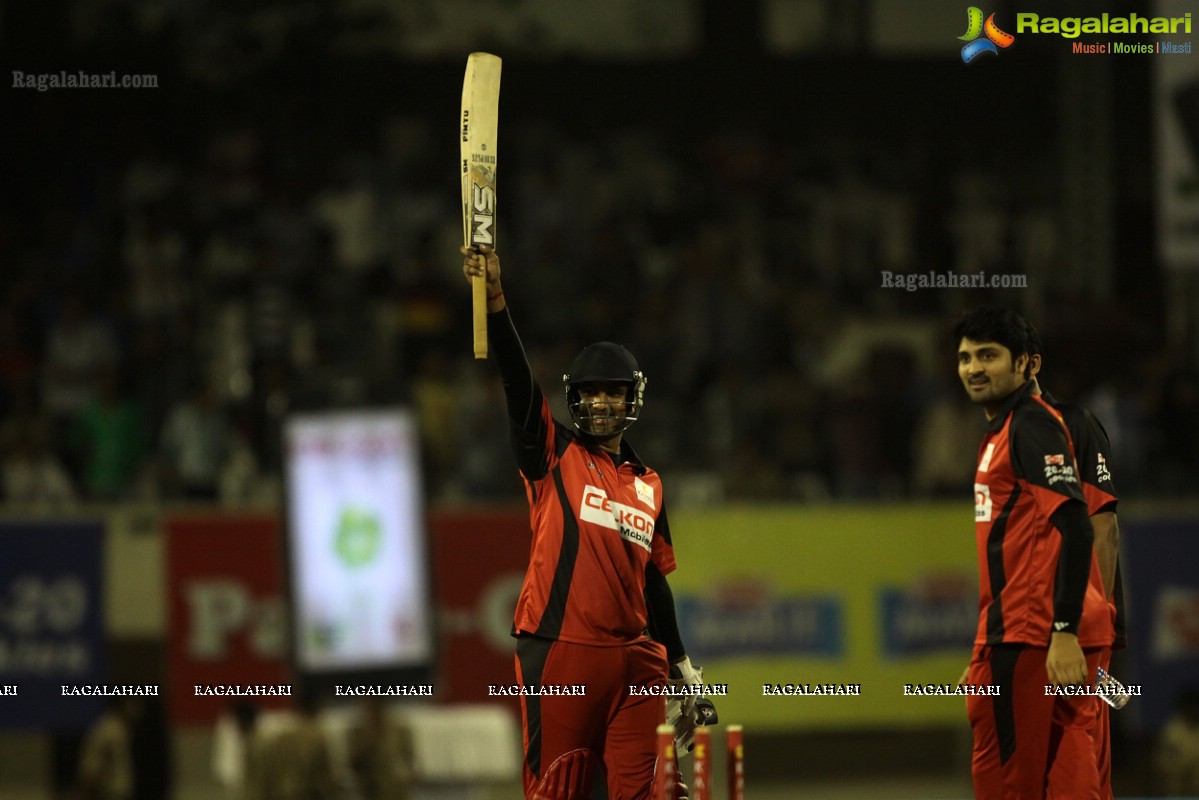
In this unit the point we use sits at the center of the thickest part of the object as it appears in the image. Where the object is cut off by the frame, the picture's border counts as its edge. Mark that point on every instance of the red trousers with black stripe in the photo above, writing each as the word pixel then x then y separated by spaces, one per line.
pixel 1029 744
pixel 567 737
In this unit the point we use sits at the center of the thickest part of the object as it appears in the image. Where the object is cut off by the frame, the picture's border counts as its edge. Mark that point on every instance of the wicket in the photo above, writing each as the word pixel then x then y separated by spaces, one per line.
pixel 701 788
pixel 664 779
pixel 736 762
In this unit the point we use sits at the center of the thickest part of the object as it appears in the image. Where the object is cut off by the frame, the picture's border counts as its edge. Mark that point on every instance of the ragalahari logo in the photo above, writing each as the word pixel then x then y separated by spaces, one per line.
pixel 975 27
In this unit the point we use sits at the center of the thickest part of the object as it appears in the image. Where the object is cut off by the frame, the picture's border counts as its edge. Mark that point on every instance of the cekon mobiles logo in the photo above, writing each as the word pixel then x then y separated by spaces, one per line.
pixel 633 525
pixel 995 38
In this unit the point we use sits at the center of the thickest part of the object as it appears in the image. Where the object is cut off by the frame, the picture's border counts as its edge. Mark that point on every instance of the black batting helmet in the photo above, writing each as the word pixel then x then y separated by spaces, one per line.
pixel 604 362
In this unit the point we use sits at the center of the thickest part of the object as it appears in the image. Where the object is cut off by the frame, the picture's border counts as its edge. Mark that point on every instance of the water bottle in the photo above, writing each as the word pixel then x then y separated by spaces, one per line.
pixel 1111 690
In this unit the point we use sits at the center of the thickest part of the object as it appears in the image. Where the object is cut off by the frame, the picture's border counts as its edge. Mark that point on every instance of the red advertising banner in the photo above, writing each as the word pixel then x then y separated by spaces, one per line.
pixel 227 623
pixel 479 561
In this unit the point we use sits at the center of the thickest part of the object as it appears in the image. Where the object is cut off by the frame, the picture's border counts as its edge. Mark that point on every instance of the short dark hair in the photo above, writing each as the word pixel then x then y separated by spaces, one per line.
pixel 1002 326
pixel 1034 339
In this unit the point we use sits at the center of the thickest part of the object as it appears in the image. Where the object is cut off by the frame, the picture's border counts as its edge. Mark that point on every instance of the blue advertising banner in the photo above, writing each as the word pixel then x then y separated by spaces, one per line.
pixel 1158 561
pixel 918 620
pixel 790 625
pixel 51 623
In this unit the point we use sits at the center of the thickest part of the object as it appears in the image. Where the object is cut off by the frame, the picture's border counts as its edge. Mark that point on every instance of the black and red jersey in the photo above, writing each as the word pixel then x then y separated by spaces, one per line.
pixel 1091 449
pixel 1026 472
pixel 597 521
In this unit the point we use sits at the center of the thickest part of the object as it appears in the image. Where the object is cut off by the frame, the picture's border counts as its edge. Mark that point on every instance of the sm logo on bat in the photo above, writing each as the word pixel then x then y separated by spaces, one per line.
pixel 482 215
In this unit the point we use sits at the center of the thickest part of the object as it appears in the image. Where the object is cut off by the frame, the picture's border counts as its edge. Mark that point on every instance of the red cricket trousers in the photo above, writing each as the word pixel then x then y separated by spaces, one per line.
pixel 1029 745
pixel 567 737
pixel 1103 735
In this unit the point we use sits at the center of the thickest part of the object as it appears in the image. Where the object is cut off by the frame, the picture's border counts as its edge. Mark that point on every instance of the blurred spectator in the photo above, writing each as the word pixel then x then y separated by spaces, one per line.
pixel 381 754
pixel 162 358
pixel 348 208
pixel 233 183
pixel 263 416
pixel 272 301
pixel 79 349
pixel 1179 418
pixel 295 763
pixel 109 439
pixel 241 481
pixel 853 436
pixel 1177 753
pixel 483 471
pixel 946 444
pixel 151 177
pixel 789 420
pixel 153 765
pixel 106 764
pixel 18 360
pixel 194 444
pixel 34 476
pixel 437 406
pixel 287 228
pixel 155 254
pixel 893 384
pixel 235 744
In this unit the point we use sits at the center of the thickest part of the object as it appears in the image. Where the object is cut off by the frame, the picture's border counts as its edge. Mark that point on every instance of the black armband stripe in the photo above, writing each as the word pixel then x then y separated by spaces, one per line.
pixel 663 621
pixel 1073 565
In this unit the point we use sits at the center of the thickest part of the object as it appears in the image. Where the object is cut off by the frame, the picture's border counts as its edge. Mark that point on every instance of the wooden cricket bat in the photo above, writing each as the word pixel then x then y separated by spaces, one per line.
pixel 480 123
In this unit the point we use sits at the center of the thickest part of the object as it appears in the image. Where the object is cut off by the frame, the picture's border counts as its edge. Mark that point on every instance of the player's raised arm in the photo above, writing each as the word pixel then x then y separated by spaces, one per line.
pixel 527 409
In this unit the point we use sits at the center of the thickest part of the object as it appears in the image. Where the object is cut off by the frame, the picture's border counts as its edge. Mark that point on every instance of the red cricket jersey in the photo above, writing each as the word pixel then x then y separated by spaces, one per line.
pixel 595 526
pixel 596 521
pixel 1094 470
pixel 1089 443
pixel 1026 471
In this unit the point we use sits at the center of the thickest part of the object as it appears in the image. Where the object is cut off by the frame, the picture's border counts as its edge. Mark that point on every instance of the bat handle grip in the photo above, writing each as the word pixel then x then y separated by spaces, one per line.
pixel 478 293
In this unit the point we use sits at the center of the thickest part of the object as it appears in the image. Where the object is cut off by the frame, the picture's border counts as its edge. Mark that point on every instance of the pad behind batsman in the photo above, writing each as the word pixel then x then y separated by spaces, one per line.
pixel 596 579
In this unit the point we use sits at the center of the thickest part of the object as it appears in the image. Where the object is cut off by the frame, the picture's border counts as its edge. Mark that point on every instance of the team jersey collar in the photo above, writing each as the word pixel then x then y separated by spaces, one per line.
pixel 630 455
pixel 1014 399
pixel 627 454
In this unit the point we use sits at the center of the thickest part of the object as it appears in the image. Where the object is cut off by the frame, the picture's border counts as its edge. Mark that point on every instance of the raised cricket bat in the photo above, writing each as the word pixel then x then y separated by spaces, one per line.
pixel 480 123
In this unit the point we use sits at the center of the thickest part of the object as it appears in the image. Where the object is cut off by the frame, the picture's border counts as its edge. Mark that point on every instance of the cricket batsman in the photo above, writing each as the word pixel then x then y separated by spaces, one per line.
pixel 595 608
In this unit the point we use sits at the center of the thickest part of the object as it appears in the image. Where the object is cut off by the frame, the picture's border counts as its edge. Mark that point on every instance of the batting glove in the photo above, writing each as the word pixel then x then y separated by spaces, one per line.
pixel 685 712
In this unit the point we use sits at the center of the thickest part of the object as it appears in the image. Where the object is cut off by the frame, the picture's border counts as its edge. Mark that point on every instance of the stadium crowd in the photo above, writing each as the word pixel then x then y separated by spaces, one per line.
pixel 161 317
pixel 269 231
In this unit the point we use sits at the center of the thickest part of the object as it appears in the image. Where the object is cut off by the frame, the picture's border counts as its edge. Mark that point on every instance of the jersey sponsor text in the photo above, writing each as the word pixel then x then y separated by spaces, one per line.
pixel 645 492
pixel 632 525
pixel 1055 474
pixel 985 463
pixel 982 502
